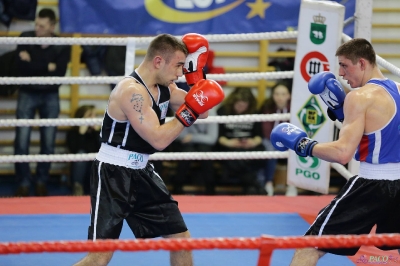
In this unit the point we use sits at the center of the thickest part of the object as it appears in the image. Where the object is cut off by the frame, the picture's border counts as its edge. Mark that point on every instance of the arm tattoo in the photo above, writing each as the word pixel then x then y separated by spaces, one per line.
pixel 137 101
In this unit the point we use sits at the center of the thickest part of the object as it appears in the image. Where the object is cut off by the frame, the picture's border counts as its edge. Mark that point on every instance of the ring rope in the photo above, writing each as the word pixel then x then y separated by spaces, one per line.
pixel 123 41
pixel 115 79
pixel 337 241
pixel 166 156
pixel 159 156
pixel 98 121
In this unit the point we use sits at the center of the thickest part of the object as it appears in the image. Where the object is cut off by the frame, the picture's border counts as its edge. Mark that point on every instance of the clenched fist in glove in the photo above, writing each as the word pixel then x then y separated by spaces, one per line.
pixel 287 136
pixel 196 60
pixel 203 96
pixel 331 92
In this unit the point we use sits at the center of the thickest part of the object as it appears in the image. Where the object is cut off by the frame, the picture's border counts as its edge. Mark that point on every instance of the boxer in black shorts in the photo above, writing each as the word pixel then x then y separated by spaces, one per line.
pixel 352 213
pixel 138 196
pixel 370 133
pixel 124 185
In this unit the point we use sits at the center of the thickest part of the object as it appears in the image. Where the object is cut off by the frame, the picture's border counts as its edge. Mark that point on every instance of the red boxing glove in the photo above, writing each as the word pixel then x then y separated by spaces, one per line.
pixel 196 60
pixel 203 96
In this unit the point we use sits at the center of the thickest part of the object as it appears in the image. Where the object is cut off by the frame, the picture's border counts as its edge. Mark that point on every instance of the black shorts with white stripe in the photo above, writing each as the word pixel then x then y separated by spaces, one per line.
pixel 360 205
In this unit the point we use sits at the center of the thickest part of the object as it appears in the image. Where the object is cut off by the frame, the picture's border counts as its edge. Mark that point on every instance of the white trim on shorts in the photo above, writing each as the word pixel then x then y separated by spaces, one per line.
pixel 96 211
pixel 120 157
pixel 321 230
pixel 387 171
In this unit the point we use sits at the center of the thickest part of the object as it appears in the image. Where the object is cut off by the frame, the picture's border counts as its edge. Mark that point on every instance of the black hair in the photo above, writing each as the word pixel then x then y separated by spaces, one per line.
pixel 48 13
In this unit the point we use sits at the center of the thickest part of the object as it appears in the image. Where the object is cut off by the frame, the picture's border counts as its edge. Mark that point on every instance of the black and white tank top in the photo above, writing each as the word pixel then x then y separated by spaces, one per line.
pixel 121 135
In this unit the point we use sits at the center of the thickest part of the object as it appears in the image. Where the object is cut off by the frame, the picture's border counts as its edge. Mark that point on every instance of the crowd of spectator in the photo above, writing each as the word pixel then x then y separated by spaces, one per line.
pixel 251 176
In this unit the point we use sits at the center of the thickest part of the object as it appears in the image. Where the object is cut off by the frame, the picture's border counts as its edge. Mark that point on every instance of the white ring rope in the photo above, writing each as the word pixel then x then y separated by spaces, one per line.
pixel 123 41
pixel 98 121
pixel 115 79
pixel 168 156
pixel 249 155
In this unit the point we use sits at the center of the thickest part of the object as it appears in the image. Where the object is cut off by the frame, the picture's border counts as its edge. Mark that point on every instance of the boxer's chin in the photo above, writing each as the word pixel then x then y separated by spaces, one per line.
pixel 346 84
pixel 350 88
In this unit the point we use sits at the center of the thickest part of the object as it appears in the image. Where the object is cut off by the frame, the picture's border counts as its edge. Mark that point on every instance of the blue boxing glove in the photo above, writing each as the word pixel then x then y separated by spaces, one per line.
pixel 331 92
pixel 287 136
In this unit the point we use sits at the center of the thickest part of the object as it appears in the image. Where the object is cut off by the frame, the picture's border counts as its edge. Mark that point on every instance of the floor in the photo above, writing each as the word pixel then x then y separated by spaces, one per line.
pixel 67 217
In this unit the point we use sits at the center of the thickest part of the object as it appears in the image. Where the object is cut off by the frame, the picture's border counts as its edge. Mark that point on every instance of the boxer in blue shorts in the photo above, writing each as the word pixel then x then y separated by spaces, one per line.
pixel 124 185
pixel 370 133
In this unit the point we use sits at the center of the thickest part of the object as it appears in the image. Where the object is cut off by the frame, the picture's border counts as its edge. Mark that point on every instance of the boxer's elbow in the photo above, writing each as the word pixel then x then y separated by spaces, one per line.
pixel 344 156
pixel 344 159
pixel 159 145
pixel 156 141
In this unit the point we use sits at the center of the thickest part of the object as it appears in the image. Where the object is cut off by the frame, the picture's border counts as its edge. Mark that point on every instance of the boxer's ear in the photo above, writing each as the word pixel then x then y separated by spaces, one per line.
pixel 362 63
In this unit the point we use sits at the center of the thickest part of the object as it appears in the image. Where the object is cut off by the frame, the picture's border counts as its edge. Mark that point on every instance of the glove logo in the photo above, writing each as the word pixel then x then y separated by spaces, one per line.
pixel 329 98
pixel 279 144
pixel 200 98
pixel 289 129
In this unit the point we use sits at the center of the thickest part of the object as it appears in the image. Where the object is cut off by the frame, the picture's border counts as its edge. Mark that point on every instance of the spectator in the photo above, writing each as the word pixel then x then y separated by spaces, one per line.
pixel 197 138
pixel 240 137
pixel 114 61
pixel 110 59
pixel 279 102
pixel 36 61
pixel 83 139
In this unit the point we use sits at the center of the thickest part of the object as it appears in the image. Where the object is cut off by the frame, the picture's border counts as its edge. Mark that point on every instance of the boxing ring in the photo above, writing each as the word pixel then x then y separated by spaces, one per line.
pixel 266 230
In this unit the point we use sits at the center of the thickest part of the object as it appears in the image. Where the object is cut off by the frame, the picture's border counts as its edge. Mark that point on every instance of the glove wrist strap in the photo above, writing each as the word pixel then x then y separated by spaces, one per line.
pixel 186 116
pixel 305 146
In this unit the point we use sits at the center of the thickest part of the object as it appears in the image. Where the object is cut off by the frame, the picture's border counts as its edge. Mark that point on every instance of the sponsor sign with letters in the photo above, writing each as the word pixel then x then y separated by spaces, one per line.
pixel 319 35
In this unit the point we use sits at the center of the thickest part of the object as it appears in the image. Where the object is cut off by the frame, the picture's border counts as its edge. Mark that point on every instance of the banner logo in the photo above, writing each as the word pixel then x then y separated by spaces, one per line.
pixel 311 163
pixel 318 30
pixel 313 63
pixel 308 168
pixel 311 116
pixel 308 172
pixel 159 10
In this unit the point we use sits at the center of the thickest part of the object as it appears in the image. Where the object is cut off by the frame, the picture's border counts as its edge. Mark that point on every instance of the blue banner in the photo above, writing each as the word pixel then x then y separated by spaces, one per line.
pixel 178 17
